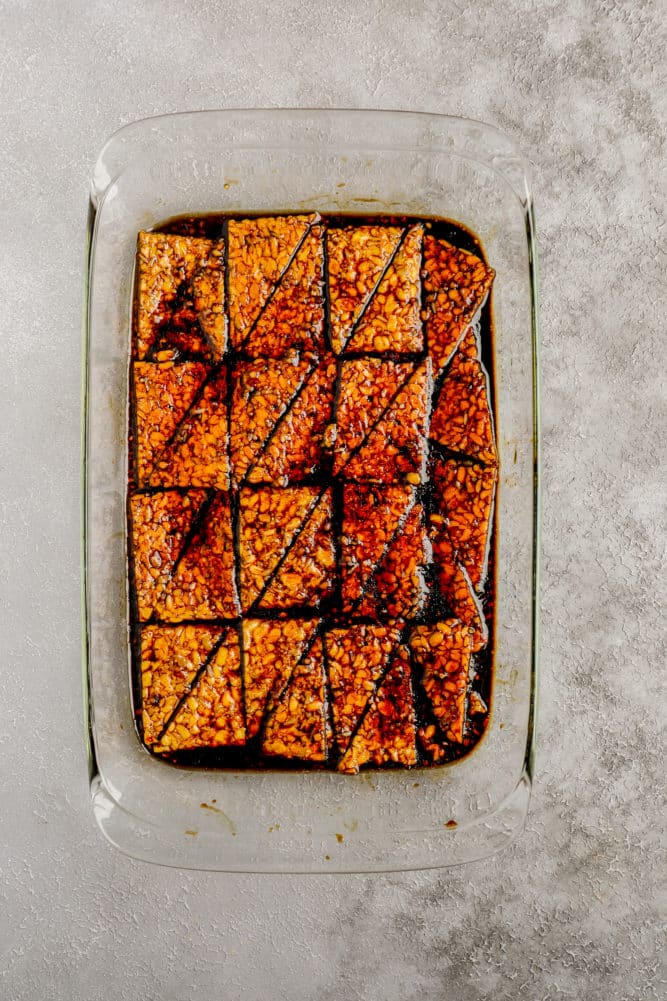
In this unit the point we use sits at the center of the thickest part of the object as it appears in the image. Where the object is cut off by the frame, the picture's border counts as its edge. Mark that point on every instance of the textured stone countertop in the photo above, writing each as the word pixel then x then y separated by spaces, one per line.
pixel 572 910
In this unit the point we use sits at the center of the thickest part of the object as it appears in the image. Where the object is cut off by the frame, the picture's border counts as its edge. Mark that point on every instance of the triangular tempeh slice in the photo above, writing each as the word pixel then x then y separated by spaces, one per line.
pixel 271 521
pixel 264 390
pixel 199 454
pixel 159 522
pixel 367 388
pixel 356 658
pixel 461 420
pixel 356 260
pixel 271 650
pixel 163 394
pixel 305 577
pixel 180 297
pixel 464 495
pixel 259 253
pixel 391 320
pixel 298 445
pixel 454 583
pixel 396 447
pixel 202 584
pixel 456 284
pixel 212 713
pixel 297 727
pixel 170 660
pixel 371 516
pixel 442 650
pixel 387 731
pixel 294 316
pixel 383 551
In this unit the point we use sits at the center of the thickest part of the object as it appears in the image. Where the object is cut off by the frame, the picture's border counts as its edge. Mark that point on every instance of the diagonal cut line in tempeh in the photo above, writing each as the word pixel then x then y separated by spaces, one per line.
pixel 312 507
pixel 367 583
pixel 192 684
pixel 302 239
pixel 356 656
pixel 271 648
pixel 276 427
pixel 396 675
pixel 362 312
pixel 357 448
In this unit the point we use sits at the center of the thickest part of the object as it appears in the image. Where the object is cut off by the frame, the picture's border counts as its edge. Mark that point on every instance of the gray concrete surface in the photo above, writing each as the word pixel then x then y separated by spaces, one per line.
pixel 574 909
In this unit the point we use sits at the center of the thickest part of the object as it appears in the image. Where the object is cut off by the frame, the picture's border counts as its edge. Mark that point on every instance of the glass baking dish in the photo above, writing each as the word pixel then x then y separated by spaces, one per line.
pixel 369 162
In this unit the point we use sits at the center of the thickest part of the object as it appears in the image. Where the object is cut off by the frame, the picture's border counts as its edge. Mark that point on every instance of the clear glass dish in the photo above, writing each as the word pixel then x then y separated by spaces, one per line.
pixel 370 162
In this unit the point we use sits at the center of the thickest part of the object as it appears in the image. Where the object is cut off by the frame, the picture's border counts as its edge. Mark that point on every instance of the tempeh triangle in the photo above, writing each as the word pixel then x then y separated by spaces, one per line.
pixel 180 297
pixel 264 390
pixel 198 456
pixel 202 584
pixel 160 523
pixel 259 252
pixel 442 650
pixel 387 731
pixel 372 516
pixel 170 660
pixel 212 714
pixel 396 447
pixel 357 258
pixel 297 727
pixel 461 420
pixel 270 522
pixel 297 446
pixel 306 574
pixel 391 320
pixel 356 658
pixel 367 388
pixel 454 583
pixel 271 650
pixel 456 284
pixel 163 393
pixel 465 495
pixel 398 587
pixel 294 316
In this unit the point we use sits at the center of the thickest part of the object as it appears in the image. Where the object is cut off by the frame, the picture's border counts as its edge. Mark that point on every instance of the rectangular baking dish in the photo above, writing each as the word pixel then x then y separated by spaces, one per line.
pixel 368 162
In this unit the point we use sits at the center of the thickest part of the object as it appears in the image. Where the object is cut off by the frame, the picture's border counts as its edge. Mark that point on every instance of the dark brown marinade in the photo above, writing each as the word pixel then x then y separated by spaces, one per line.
pixel 187 335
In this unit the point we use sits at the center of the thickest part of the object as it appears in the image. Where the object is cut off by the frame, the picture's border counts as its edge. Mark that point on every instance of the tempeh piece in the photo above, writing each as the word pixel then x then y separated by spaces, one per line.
pixel 277 258
pixel 298 444
pixel 170 660
pixel 306 574
pixel 358 257
pixel 199 454
pixel 294 316
pixel 442 650
pixel 383 551
pixel 286 546
pixel 382 420
pixel 160 523
pixel 356 658
pixel 454 583
pixel 388 319
pixel 263 392
pixel 456 284
pixel 464 495
pixel 387 731
pixel 461 420
pixel 396 447
pixel 163 394
pixel 180 301
pixel 212 714
pixel 297 727
pixel 271 650
pixel 202 584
